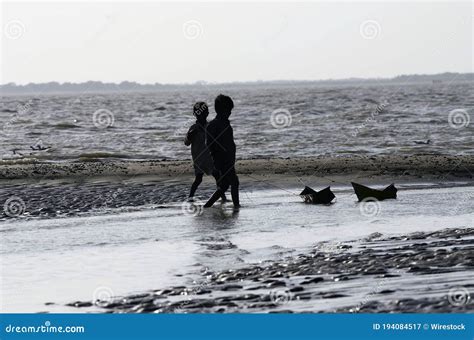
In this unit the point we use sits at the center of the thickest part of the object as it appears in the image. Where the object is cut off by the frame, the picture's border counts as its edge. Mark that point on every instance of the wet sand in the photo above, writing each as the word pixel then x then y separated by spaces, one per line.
pixel 395 274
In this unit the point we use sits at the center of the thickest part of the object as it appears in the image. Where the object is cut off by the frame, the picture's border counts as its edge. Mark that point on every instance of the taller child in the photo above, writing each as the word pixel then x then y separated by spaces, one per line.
pixel 220 141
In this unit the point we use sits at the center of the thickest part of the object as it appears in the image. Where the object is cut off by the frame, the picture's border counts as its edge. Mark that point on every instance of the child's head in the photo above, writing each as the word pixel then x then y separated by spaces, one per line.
pixel 200 111
pixel 223 105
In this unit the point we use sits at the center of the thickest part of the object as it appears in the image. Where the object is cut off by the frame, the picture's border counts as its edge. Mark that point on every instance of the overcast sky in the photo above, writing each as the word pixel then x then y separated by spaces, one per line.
pixel 219 42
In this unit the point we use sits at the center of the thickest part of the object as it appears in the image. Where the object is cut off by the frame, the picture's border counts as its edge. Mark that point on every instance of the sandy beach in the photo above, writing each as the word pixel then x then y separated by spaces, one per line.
pixel 420 166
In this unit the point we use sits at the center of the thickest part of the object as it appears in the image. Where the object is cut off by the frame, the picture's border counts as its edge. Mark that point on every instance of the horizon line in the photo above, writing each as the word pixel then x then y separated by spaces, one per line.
pixel 202 82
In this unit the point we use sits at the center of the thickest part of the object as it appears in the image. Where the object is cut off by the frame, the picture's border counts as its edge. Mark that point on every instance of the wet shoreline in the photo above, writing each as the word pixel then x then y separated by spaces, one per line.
pixel 429 272
pixel 97 196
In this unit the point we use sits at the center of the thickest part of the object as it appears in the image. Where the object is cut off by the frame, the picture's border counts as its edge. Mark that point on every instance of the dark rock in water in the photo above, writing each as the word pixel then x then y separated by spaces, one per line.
pixel 313 280
pixel 296 289
pixel 144 308
pixel 390 275
pixel 341 278
pixel 333 296
pixel 344 246
pixel 231 287
pixel 283 311
pixel 80 304
pixel 274 284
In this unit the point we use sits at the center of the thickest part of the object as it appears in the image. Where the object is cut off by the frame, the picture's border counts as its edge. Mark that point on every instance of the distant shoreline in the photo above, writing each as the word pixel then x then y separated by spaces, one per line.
pixel 397 165
pixel 127 86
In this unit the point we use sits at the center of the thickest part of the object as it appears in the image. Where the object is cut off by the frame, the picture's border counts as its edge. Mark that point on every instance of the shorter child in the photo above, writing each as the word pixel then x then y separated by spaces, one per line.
pixel 196 137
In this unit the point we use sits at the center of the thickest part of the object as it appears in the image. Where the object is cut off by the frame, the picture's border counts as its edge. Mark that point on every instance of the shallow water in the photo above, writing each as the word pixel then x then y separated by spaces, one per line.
pixel 308 120
pixel 67 259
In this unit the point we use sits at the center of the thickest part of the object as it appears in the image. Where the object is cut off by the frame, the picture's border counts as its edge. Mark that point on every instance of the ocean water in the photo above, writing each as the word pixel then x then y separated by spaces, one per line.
pixel 269 121
pixel 61 260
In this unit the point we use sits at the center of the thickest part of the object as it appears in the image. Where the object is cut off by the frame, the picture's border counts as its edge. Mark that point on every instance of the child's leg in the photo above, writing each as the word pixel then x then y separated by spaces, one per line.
pixel 223 185
pixel 215 174
pixel 234 191
pixel 194 186
pixel 215 196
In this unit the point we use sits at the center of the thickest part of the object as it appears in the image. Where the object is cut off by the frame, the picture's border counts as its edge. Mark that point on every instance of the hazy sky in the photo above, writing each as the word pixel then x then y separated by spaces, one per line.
pixel 185 42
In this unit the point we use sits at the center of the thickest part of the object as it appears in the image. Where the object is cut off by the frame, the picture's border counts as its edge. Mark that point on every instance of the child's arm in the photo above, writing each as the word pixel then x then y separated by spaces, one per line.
pixel 189 136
